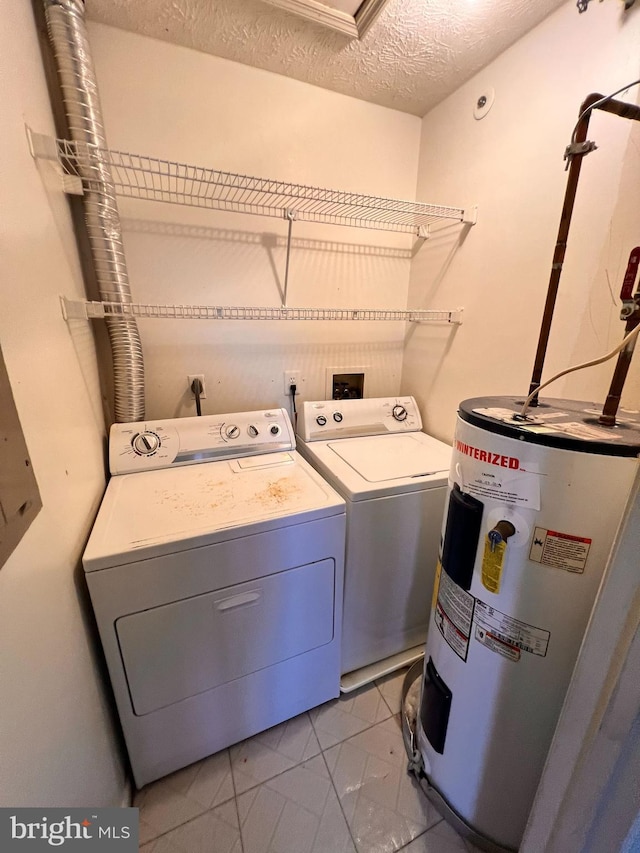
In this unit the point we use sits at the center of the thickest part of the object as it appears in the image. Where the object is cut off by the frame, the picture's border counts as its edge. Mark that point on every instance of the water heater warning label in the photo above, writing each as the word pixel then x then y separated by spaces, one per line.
pixel 506 635
pixel 453 614
pixel 488 475
pixel 559 550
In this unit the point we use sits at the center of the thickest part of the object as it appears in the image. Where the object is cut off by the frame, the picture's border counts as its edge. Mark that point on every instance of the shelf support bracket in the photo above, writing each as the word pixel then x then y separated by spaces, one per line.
pixel 470 215
pixel 77 309
pixel 73 310
pixel 289 215
pixel 423 232
pixel 43 147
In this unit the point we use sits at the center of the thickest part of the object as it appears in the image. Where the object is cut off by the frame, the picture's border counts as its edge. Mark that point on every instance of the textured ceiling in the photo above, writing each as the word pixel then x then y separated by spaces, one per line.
pixel 416 53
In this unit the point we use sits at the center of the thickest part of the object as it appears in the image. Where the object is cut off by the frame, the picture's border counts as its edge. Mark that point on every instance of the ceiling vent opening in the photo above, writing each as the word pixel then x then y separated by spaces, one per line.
pixel 351 17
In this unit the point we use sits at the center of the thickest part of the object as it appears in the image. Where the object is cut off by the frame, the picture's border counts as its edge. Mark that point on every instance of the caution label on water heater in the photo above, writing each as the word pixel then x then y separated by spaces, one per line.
pixel 559 550
pixel 453 614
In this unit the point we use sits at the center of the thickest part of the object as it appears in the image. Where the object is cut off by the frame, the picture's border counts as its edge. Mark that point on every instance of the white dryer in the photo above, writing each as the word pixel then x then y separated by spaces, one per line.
pixel 394 479
pixel 215 569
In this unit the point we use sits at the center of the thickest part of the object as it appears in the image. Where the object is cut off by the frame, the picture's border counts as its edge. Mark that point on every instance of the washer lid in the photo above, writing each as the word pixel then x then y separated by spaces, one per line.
pixel 380 466
pixel 158 512
pixel 400 456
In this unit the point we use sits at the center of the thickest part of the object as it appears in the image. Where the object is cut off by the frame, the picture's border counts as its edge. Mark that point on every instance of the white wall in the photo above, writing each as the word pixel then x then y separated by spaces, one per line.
pixel 57 743
pixel 510 164
pixel 173 102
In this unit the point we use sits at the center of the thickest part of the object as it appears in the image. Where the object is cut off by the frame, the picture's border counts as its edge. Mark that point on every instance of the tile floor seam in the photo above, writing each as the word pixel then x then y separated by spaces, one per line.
pixel 360 791
pixel 184 823
pixel 275 776
pixel 277 824
pixel 297 763
pixel 319 824
pixel 335 791
pixel 348 737
pixel 195 779
pixel 384 699
pixel 235 801
pixel 433 826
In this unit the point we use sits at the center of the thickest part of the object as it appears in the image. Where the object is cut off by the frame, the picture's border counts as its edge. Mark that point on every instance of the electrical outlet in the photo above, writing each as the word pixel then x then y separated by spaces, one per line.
pixel 291 377
pixel 200 376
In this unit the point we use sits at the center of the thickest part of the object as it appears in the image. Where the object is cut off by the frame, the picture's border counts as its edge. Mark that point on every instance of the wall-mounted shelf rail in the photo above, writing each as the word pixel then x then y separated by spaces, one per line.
pixel 81 310
pixel 138 176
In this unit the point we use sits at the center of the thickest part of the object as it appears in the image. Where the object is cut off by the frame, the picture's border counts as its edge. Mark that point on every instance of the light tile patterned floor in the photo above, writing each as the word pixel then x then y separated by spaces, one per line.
pixel 330 781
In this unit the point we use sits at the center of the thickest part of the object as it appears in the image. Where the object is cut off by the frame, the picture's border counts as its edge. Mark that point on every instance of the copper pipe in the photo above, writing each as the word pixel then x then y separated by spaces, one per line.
pixel 610 408
pixel 620 108
pixel 624 110
pixel 561 244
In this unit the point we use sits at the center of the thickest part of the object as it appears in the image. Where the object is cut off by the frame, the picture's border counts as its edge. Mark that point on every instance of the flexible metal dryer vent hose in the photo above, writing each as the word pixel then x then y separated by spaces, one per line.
pixel 68 35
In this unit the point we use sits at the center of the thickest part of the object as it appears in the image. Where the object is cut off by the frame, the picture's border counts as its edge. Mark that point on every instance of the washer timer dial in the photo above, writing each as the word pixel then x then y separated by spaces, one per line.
pixel 146 443
pixel 399 413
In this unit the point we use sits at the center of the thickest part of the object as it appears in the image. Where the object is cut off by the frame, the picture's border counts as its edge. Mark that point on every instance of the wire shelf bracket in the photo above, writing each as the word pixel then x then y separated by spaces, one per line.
pixel 137 176
pixel 86 310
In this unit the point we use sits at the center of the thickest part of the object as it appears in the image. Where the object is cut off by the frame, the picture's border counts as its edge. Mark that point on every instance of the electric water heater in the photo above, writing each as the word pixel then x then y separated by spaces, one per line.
pixel 531 514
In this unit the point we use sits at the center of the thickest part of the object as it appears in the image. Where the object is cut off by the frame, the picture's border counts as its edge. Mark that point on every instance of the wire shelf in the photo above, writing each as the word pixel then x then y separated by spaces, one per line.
pixel 98 310
pixel 138 176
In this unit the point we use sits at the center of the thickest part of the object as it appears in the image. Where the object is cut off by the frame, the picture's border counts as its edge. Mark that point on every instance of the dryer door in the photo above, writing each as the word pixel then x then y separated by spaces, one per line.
pixel 190 646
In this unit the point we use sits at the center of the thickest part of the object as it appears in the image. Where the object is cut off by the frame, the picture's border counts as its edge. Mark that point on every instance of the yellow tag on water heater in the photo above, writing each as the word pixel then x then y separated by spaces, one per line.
pixel 436 585
pixel 492 564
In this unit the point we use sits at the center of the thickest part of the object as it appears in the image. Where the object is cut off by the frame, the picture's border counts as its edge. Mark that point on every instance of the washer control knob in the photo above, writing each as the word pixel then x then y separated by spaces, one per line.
pixel 252 430
pixel 399 413
pixel 321 420
pixel 274 429
pixel 232 431
pixel 337 416
pixel 145 443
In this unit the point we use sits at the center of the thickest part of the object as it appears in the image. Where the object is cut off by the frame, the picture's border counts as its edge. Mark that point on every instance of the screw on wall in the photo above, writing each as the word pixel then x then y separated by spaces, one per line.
pixel 484 103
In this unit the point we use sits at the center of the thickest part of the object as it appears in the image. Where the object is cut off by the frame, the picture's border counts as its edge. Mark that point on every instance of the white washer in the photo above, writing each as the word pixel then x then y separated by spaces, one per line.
pixel 217 587
pixel 394 479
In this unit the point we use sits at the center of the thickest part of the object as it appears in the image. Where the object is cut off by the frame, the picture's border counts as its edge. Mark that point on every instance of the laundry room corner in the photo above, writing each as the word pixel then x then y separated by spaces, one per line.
pixel 508 158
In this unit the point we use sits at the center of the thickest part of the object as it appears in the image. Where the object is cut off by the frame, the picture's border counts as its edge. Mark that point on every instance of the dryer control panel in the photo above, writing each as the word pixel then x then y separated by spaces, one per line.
pixel 331 419
pixel 146 445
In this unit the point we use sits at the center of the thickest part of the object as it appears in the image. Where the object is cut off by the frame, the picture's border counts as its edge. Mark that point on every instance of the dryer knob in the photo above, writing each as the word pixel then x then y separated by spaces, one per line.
pixel 232 431
pixel 274 429
pixel 145 443
pixel 337 416
pixel 321 420
pixel 399 413
pixel 252 430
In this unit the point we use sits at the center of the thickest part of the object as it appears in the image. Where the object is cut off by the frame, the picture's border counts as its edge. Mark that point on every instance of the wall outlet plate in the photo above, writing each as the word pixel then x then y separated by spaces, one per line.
pixel 291 377
pixel 200 376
